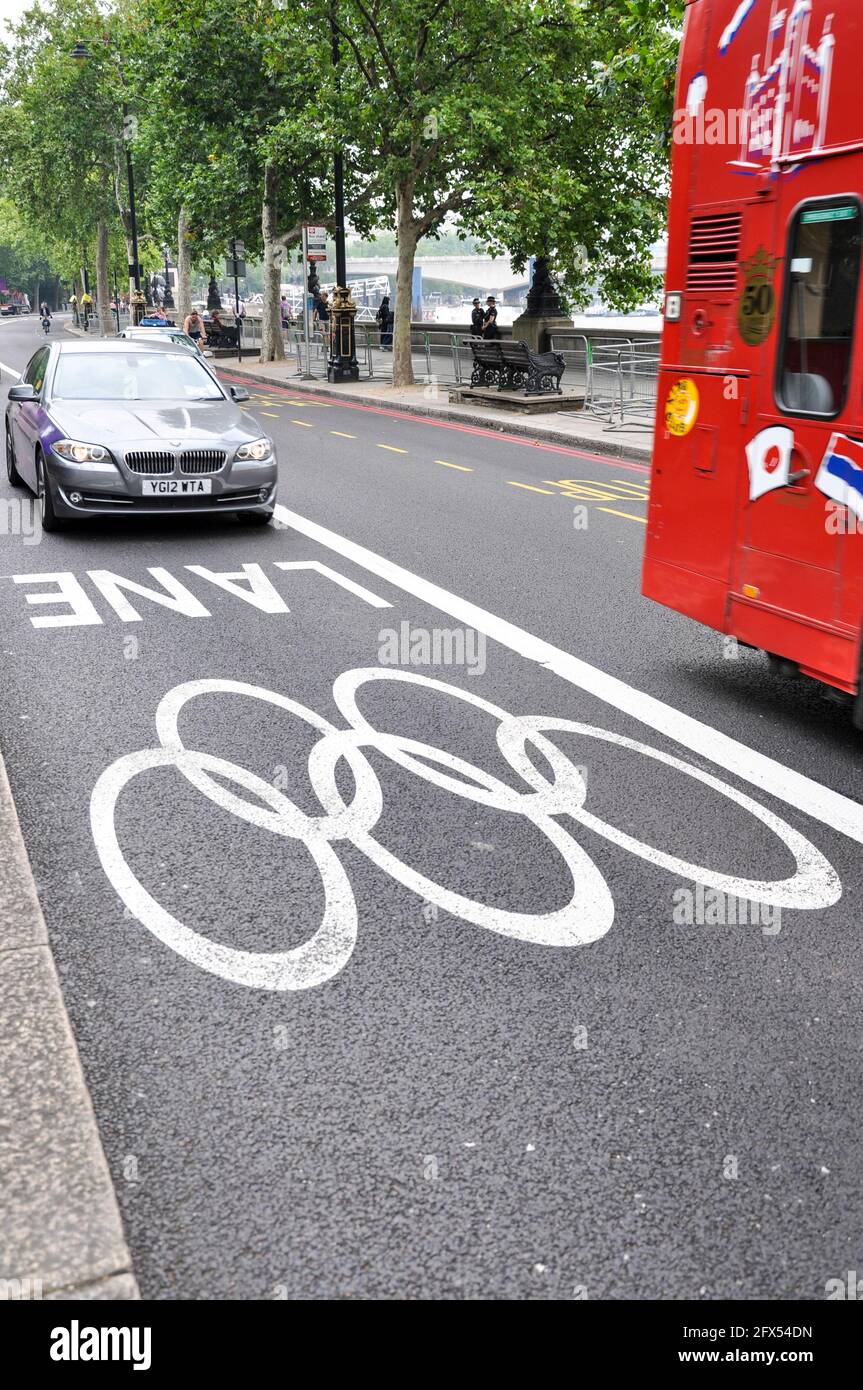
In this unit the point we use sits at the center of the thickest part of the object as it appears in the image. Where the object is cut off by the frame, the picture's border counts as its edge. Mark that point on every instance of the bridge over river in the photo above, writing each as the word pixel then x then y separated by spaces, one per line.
pixel 493 276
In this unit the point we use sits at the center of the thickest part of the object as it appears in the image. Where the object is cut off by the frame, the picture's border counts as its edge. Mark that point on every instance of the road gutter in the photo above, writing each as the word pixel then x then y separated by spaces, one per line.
pixel 61 1236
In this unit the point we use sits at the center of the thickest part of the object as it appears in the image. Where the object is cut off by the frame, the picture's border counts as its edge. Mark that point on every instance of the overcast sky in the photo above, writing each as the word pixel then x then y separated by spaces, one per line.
pixel 11 9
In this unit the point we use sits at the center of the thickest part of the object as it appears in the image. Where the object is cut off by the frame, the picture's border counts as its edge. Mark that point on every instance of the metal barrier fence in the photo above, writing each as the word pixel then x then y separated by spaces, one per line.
pixel 438 357
pixel 623 385
pixel 617 376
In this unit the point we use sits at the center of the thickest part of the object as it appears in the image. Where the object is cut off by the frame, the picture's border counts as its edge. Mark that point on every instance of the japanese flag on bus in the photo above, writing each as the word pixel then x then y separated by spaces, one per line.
pixel 840 476
pixel 769 457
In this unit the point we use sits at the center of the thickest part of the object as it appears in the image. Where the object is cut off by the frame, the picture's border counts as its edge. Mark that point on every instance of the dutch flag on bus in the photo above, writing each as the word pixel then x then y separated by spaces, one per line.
pixel 840 476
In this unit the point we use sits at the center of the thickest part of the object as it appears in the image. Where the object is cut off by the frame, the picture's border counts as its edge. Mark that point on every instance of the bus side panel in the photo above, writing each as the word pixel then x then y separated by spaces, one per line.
pixel 819 651
pixel 695 496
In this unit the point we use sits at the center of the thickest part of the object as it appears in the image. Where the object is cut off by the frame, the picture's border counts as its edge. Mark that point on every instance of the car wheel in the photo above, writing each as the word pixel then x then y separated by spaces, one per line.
pixel 255 518
pixel 50 520
pixel 11 469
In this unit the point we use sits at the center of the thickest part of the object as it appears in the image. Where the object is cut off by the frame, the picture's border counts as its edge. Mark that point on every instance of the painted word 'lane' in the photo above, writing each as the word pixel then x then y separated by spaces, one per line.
pixel 73 606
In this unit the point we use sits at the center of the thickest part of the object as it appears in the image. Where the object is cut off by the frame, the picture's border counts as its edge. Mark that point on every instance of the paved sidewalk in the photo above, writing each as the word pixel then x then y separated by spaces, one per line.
pixel 60 1230
pixel 576 429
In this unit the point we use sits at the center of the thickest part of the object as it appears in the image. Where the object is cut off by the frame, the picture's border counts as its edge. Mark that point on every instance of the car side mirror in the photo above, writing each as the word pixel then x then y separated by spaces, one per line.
pixel 239 393
pixel 24 392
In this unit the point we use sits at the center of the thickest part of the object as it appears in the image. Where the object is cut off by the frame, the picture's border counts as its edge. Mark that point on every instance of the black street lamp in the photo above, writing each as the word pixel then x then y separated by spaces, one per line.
pixel 81 53
pixel 342 364
pixel 167 297
pixel 214 299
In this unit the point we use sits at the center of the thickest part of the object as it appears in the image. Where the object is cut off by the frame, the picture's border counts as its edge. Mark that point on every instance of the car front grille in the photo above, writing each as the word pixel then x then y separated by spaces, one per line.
pixel 149 461
pixel 202 460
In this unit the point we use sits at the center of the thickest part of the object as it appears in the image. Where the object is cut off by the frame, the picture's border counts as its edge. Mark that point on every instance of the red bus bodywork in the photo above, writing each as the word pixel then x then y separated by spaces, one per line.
pixel 755 523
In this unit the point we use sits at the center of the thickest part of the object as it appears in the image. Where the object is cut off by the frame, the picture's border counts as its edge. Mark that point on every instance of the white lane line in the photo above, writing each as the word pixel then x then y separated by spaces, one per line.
pixel 4 367
pixel 822 803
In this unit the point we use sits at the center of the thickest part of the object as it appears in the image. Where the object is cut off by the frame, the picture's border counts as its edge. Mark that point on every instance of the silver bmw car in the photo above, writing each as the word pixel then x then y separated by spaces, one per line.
pixel 113 427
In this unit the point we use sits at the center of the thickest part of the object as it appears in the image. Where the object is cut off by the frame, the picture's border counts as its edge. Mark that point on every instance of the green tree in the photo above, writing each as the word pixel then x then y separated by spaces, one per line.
pixel 511 118
pixel 30 261
pixel 61 127
pixel 232 128
pixel 583 178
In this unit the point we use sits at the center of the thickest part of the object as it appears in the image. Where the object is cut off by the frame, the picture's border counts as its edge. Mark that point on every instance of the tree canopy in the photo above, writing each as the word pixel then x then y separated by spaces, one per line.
pixel 536 127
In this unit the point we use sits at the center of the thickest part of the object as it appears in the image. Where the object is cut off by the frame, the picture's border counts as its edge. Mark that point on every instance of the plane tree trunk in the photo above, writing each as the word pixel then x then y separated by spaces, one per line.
pixel 272 344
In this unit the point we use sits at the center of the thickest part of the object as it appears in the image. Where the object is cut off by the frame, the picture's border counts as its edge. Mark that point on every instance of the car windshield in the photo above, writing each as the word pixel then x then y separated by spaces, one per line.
pixel 133 376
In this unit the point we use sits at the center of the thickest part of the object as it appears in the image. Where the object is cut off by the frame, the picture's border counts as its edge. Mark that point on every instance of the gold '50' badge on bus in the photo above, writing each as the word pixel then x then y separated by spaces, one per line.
pixel 757 311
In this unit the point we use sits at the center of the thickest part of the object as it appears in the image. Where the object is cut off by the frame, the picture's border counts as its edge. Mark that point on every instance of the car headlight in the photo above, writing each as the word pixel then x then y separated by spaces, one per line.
pixel 80 453
pixel 258 449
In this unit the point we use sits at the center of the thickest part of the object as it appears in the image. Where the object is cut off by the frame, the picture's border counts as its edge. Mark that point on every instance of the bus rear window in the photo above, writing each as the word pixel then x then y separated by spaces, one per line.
pixel 820 302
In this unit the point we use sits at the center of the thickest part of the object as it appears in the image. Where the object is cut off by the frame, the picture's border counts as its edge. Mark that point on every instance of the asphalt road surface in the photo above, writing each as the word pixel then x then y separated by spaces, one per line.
pixel 421 1013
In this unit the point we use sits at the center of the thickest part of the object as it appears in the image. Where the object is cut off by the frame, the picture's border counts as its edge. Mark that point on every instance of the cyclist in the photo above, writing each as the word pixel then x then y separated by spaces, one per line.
pixel 45 315
pixel 193 324
pixel 87 306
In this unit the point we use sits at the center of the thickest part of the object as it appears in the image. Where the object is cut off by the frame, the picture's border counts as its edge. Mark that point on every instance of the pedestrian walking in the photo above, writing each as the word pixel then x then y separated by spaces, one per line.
pixel 489 320
pixel 321 317
pixel 477 319
pixel 385 318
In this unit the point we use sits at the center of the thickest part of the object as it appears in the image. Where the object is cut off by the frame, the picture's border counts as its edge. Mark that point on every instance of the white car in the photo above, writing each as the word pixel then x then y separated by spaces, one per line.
pixel 167 332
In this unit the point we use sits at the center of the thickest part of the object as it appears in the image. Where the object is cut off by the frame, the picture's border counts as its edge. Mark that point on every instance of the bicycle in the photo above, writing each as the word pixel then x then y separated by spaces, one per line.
pixel 46 324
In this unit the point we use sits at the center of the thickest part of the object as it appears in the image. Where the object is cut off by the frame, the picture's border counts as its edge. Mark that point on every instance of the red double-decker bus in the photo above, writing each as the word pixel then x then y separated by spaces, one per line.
pixel 756 509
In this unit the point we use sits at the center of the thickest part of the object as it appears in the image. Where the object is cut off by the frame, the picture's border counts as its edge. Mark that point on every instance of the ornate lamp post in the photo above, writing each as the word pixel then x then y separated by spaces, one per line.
pixel 544 312
pixel 342 364
pixel 214 300
pixel 167 297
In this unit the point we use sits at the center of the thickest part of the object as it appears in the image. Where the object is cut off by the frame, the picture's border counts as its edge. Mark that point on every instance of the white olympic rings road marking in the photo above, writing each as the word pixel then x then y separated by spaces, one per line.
pixel 585 918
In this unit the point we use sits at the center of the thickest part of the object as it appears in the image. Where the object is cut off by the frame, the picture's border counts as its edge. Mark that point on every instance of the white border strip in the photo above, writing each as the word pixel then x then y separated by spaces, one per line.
pixel 830 807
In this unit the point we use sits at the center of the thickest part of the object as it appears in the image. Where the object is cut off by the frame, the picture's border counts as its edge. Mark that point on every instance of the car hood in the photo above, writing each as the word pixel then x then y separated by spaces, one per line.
pixel 142 422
